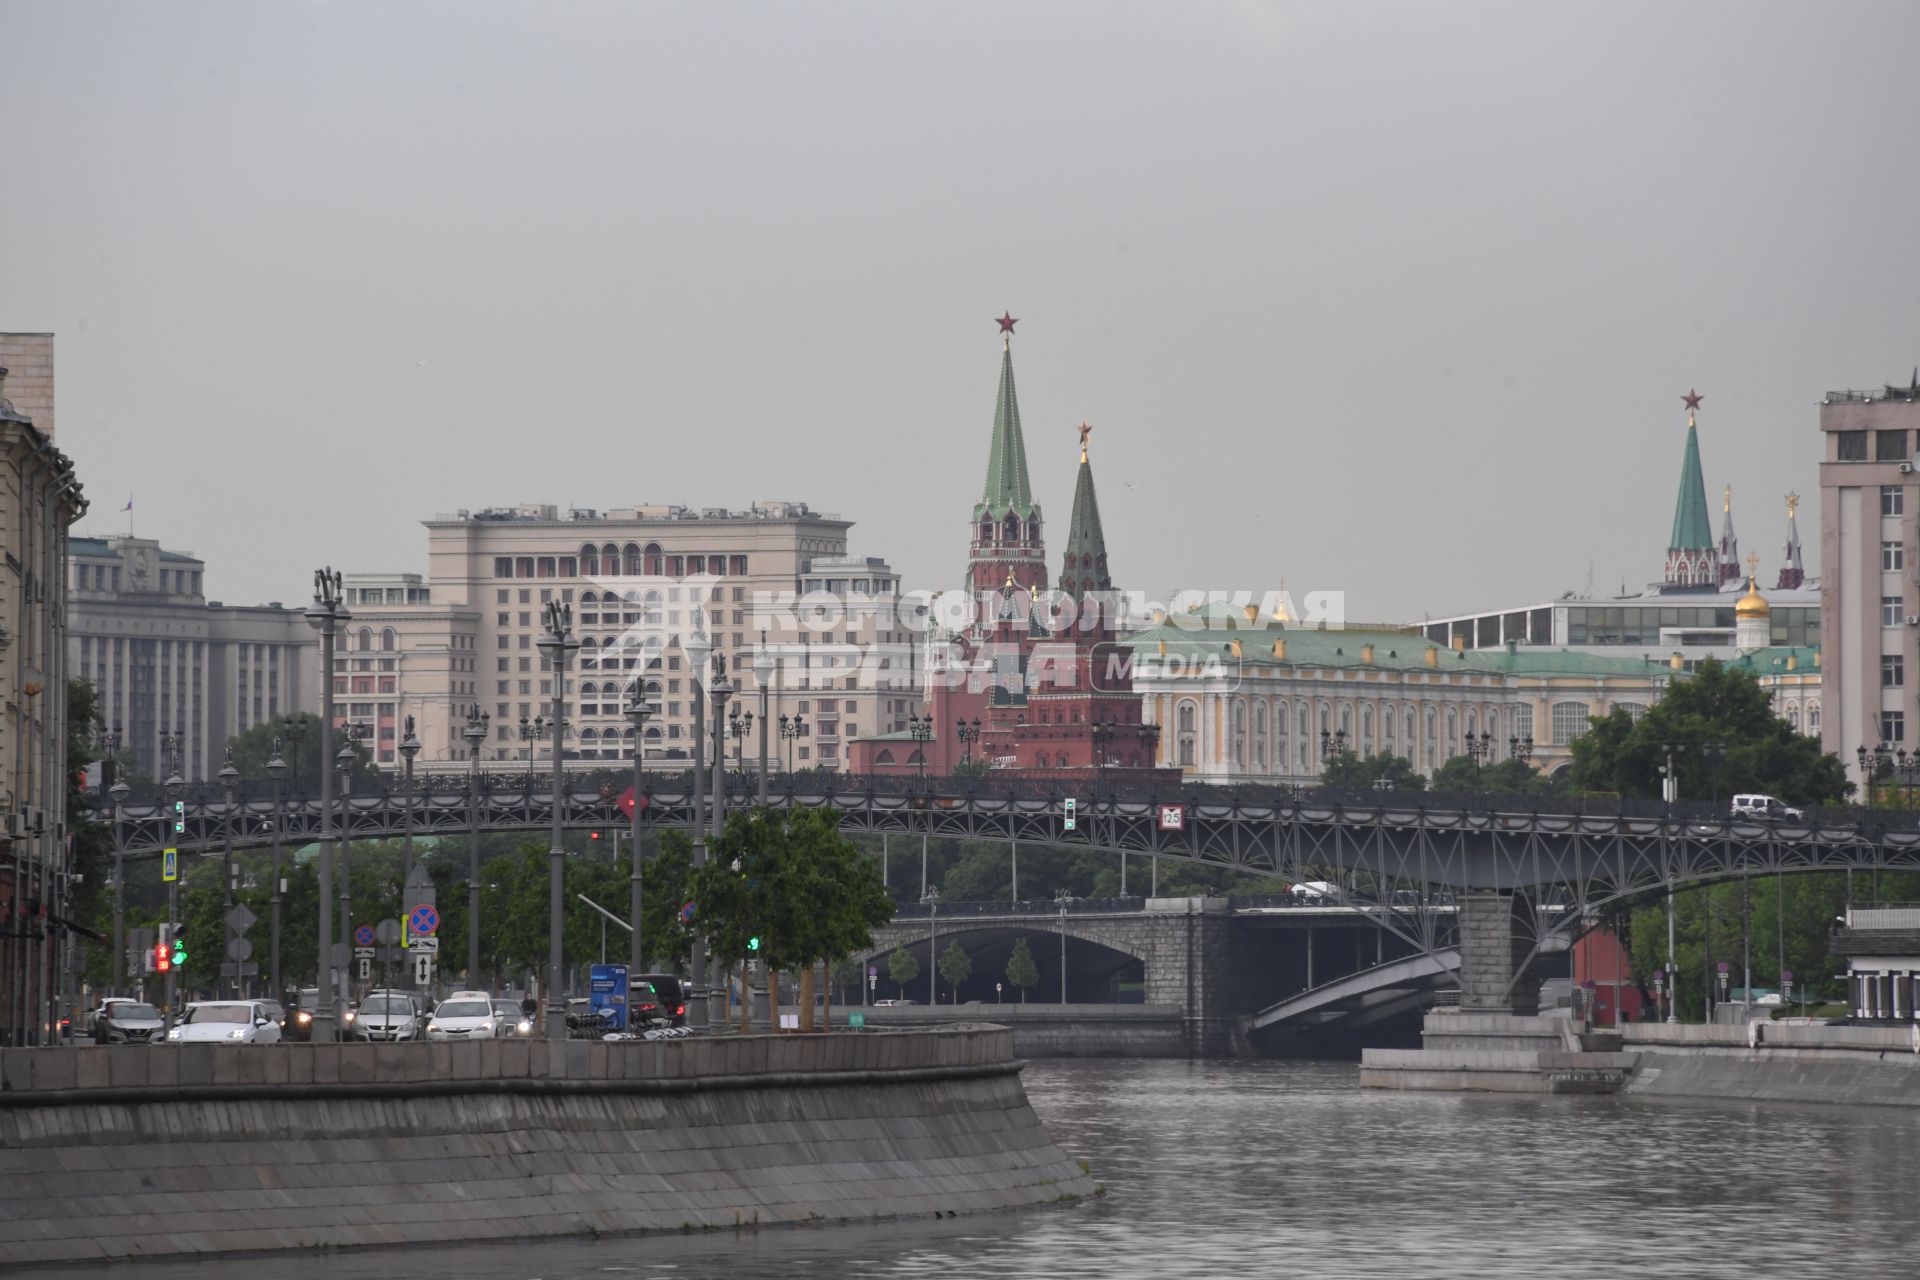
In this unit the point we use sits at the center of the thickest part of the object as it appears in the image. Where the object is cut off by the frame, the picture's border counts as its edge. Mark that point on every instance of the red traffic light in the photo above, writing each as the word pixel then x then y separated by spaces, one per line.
pixel 162 957
pixel 593 835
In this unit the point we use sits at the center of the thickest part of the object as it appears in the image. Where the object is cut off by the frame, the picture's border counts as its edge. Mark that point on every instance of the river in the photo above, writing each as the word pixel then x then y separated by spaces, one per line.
pixel 1271 1168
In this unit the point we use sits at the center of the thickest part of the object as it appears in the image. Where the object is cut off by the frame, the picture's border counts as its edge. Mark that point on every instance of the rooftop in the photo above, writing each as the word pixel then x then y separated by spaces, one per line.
pixel 547 513
pixel 87 546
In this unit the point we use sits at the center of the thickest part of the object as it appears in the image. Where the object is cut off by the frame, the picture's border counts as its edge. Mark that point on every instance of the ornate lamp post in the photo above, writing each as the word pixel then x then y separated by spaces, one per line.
pixel 932 899
pixel 229 780
pixel 795 726
pixel 327 615
pixel 738 726
pixel 1062 897
pixel 557 644
pixel 277 770
pixel 1332 744
pixel 175 788
pixel 764 667
pixel 532 731
pixel 721 689
pixel 968 732
pixel 343 761
pixel 476 736
pixel 409 748
pixel 1102 732
pixel 697 647
pixel 921 729
pixel 119 791
pixel 638 712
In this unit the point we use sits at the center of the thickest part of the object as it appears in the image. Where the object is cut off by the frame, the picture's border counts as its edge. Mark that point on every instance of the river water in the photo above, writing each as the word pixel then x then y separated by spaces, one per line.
pixel 1290 1169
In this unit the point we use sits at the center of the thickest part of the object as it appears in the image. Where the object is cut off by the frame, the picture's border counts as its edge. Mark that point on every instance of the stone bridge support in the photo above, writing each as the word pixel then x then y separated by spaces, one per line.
pixel 1496 953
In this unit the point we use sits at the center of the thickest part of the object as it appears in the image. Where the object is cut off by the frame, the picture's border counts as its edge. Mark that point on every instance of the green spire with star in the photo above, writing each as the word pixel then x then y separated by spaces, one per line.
pixel 1692 527
pixel 1085 566
pixel 1007 489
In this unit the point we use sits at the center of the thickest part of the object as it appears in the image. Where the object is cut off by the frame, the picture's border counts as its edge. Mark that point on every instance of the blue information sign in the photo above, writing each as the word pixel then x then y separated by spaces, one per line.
pixel 607 994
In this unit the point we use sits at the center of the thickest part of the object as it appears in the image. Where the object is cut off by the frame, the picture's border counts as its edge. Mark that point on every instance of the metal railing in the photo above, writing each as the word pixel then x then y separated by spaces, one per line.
pixel 1890 915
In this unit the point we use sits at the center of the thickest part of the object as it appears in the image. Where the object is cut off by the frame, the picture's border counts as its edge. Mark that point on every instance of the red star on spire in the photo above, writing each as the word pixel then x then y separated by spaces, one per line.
pixel 1692 398
pixel 1006 322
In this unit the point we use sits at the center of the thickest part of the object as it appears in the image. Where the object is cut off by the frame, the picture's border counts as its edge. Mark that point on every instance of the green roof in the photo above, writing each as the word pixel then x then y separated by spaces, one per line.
pixel 1085 566
pixel 1772 661
pixel 1692 529
pixel 1007 489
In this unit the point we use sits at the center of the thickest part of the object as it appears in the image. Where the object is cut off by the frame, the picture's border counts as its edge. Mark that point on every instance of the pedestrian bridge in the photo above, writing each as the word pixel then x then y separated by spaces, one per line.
pixel 1358 999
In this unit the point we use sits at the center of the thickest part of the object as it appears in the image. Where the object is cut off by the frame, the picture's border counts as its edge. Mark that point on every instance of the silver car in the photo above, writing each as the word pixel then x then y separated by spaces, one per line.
pixel 225 1022
pixel 127 1022
pixel 463 1017
pixel 388 1015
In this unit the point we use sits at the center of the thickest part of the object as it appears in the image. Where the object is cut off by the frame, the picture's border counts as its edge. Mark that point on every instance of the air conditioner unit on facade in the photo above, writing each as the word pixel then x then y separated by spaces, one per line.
pixel 1906 468
pixel 16 825
pixel 1913 619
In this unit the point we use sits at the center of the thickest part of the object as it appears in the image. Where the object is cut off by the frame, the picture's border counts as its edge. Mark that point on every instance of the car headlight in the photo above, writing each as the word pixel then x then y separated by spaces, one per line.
pixel 348 1016
pixel 487 1027
pixel 304 1016
pixel 433 1026
pixel 174 1034
pixel 525 1028
pixel 236 1035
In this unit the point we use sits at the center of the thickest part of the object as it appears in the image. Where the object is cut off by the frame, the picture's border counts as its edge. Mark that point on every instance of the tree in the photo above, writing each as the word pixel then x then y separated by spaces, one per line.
pixel 1509 777
pixel 1346 771
pixel 847 973
pixel 299 737
pixel 666 887
pixel 1022 972
pixel 902 968
pixel 1715 706
pixel 955 966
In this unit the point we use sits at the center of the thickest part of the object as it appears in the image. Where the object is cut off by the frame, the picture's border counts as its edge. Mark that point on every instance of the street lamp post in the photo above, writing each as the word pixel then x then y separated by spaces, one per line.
pixel 277 770
pixel 764 666
pixel 932 899
pixel 795 726
pixel 920 728
pixel 476 735
pixel 229 777
pixel 119 791
pixel 1062 897
pixel 638 711
pixel 1670 792
pixel 409 748
pixel 968 732
pixel 720 688
pixel 175 788
pixel 697 648
pixel 557 644
pixel 738 726
pixel 327 615
pixel 1480 750
pixel 1332 744
pixel 344 760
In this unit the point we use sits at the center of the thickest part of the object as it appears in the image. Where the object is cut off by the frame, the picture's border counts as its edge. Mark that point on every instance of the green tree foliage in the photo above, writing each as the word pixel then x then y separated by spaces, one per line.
pixel 1715 705
pixel 90 902
pixel 1461 775
pixel 299 736
pixel 1348 771
pixel 902 968
pixel 848 975
pixel 666 887
pixel 1022 972
pixel 956 966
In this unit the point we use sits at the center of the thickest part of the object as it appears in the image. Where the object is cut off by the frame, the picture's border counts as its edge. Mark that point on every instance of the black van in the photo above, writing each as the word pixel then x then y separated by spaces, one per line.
pixel 672 993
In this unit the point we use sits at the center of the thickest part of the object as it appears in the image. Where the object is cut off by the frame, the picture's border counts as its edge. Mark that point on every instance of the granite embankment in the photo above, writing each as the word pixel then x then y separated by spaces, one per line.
pixel 199 1149
pixel 1061 1030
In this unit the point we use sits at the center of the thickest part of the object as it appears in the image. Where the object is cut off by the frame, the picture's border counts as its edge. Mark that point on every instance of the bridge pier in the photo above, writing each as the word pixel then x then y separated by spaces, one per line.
pixel 1496 954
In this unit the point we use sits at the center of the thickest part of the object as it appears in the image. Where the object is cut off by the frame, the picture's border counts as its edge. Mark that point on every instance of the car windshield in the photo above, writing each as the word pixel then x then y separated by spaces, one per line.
pixel 309 999
pixel 220 1013
pixel 501 1009
pixel 464 1009
pixel 387 1004
pixel 133 1012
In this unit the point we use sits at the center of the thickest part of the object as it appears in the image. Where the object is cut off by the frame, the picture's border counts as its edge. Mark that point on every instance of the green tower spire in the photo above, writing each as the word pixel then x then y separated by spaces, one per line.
pixel 1085 566
pixel 1692 528
pixel 1007 490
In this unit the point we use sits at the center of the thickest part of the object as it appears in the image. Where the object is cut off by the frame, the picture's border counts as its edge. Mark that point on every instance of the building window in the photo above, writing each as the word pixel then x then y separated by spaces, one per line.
pixel 1893 726
pixel 1889 611
pixel 1893 500
pixel 1893 555
pixel 1850 446
pixel 503 566
pixel 1890 446
pixel 1569 721
pixel 1893 670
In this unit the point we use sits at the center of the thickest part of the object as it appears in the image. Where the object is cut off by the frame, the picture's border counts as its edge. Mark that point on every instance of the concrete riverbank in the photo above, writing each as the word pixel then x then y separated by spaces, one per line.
pixel 1770 1062
pixel 1060 1030
pixel 203 1149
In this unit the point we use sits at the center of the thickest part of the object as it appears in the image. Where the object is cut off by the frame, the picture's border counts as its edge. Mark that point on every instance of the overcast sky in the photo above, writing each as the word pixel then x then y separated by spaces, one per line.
pixel 1395 299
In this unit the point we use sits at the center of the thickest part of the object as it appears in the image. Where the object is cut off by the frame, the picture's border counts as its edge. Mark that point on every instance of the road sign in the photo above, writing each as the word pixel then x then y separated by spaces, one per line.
pixel 364 953
pixel 1786 975
pixel 1724 966
pixel 428 946
pixel 363 936
pixel 423 969
pixel 856 1020
pixel 239 949
pixel 627 802
pixel 239 919
pixel 1173 817
pixel 170 864
pixel 340 956
pixel 366 968
pixel 233 969
pixel 387 932
pixel 1658 979
pixel 872 970
pixel 607 993
pixel 423 920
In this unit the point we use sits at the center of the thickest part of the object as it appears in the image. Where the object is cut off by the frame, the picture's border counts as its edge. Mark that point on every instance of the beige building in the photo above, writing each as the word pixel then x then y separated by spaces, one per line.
pixel 402 654
pixel 640 580
pixel 39 500
pixel 1243 698
pixel 1869 568
pixel 166 660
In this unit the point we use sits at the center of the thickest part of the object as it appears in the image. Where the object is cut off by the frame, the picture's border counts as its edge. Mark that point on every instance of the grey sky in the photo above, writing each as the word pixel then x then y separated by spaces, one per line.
pixel 1395 299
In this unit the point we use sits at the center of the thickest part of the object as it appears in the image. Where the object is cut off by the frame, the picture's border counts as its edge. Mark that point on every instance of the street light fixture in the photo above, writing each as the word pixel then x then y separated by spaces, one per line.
pixel 343 761
pixel 721 689
pixel 697 648
pixel 277 770
pixel 638 711
pixel 1332 744
pixel 327 615
pixel 229 781
pixel 175 788
pixel 119 791
pixel 738 726
pixel 795 726
pixel 556 645
pixel 409 748
pixel 968 731
pixel 1062 897
pixel 932 899
pixel 920 729
pixel 765 666
pixel 476 735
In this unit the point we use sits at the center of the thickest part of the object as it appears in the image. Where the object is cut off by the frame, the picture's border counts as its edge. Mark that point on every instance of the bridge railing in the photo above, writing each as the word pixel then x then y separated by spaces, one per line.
pixel 1037 907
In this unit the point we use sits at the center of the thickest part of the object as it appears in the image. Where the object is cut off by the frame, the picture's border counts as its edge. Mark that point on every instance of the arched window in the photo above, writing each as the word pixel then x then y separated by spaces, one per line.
pixel 1239 734
pixel 1569 721
pixel 1260 735
pixel 589 735
pixel 631 559
pixel 1450 743
pixel 589 688
pixel 609 560
pixel 1793 719
pixel 1186 719
pixel 1634 710
pixel 1520 720
pixel 366 638
pixel 883 757
pixel 656 563
pixel 388 640
pixel 1366 730
pixel 1813 717
pixel 589 561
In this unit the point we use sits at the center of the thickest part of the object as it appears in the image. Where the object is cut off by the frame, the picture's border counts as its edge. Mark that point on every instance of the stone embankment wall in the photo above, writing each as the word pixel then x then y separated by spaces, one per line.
pixel 1874 1066
pixel 200 1149
pixel 1061 1030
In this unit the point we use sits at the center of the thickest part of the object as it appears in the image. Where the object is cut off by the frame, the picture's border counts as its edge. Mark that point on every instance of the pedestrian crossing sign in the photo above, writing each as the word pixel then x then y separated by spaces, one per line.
pixel 170 864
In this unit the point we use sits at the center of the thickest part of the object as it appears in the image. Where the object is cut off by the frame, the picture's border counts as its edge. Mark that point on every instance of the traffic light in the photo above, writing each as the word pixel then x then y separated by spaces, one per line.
pixel 593 835
pixel 1071 821
pixel 179 817
pixel 179 952
pixel 162 957
pixel 753 943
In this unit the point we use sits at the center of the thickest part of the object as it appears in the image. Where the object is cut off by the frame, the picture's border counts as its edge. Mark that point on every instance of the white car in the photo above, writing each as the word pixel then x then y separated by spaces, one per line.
pixel 463 1017
pixel 225 1022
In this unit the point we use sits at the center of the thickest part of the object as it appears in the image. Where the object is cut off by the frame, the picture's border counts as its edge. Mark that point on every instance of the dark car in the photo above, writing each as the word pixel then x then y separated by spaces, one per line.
pixel 671 992
pixel 278 1012
pixel 299 1025
pixel 124 1022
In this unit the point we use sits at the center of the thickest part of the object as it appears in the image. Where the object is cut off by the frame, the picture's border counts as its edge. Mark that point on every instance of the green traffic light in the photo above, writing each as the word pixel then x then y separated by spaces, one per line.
pixel 753 944
pixel 179 954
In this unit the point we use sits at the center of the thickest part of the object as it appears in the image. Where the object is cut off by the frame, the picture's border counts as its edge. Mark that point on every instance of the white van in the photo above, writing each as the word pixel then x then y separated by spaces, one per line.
pixel 1766 808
